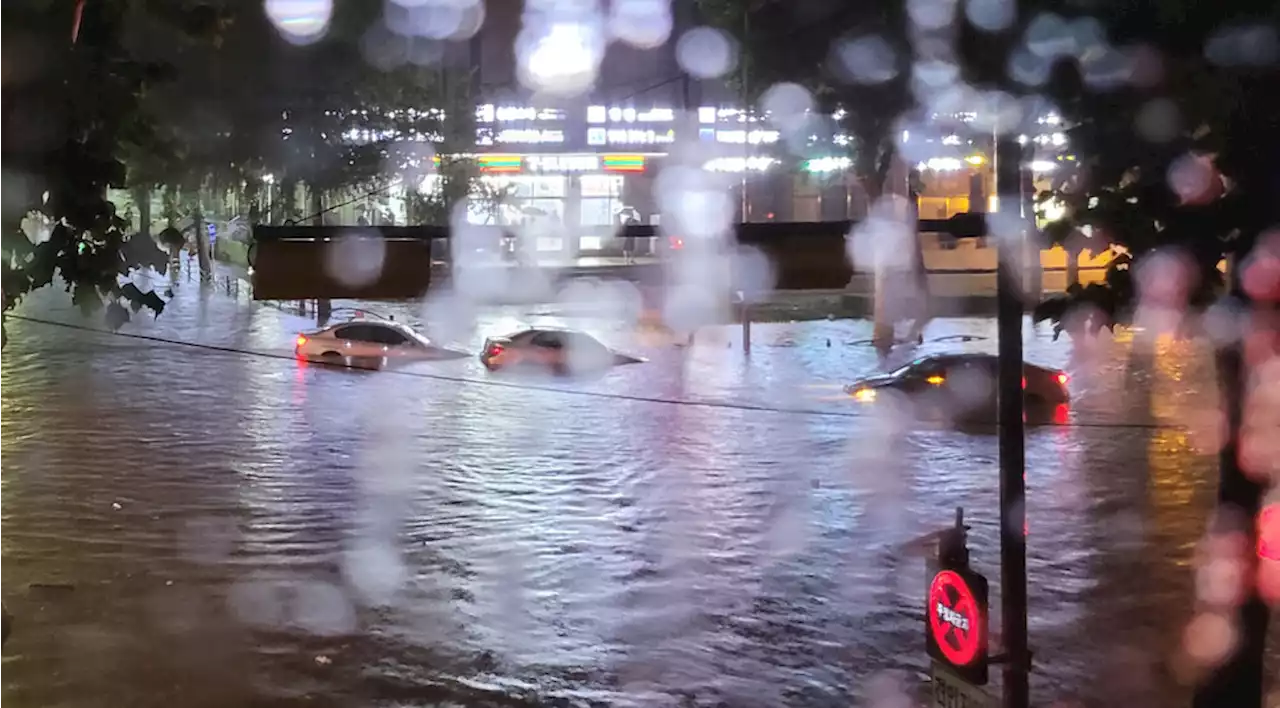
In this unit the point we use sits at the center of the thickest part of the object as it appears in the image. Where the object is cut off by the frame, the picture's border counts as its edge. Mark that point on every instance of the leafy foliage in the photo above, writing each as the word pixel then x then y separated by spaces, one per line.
pixel 65 118
pixel 1176 156
pixel 192 97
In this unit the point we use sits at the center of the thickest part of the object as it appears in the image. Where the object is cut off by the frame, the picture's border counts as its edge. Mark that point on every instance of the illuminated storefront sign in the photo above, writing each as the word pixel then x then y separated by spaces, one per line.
pixel 499 163
pixel 489 113
pixel 629 136
pixel 624 163
pixel 603 114
pixel 520 136
pixel 563 163
pixel 738 137
pixel 711 114
pixel 616 162
pixel 828 164
pixel 366 136
pixel 740 164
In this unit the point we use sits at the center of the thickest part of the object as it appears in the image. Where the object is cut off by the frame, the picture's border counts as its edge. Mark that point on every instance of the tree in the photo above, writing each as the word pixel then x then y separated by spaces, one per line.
pixel 66 118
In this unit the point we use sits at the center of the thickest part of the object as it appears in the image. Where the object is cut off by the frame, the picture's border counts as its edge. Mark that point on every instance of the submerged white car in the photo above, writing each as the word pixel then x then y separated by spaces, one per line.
pixel 369 339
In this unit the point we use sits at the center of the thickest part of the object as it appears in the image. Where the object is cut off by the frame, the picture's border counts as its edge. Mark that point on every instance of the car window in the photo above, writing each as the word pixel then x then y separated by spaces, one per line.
pixel 928 366
pixel 967 366
pixel 356 333
pixel 548 340
pixel 584 342
pixel 388 335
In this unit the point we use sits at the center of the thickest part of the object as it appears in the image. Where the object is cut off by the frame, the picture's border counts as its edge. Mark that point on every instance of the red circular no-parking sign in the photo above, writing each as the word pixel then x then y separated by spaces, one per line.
pixel 955 618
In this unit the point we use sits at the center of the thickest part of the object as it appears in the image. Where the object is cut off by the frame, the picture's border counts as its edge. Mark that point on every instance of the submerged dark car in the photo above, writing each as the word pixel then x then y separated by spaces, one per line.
pixel 962 388
pixel 559 351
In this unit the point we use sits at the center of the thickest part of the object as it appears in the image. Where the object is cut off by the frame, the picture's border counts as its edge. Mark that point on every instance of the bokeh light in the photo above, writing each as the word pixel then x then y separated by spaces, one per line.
pixel 300 21
pixel 706 53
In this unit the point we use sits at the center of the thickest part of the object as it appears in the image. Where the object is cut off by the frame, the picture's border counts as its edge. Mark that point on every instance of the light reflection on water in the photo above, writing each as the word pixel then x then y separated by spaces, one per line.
pixel 237 529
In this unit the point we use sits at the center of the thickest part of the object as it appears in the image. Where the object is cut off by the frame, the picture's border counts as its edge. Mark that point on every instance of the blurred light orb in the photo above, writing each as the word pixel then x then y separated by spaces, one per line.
pixel 1048 36
pixel 1209 638
pixel 356 261
pixel 1106 68
pixel 645 24
pixel 300 21
pixel 787 105
pixel 1247 45
pixel 1195 180
pixel 435 19
pixel 1029 68
pixel 868 60
pixel 929 15
pixel 563 61
pixel 699 209
pixel 990 15
pixel 706 53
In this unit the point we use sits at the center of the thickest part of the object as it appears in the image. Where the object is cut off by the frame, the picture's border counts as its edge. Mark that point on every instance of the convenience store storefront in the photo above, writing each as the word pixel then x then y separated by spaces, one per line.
pixel 580 198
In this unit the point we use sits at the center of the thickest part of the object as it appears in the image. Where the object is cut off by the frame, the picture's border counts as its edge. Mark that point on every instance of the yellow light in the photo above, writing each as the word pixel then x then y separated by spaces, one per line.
pixel 1052 210
pixel 865 395
pixel 936 380
pixel 975 160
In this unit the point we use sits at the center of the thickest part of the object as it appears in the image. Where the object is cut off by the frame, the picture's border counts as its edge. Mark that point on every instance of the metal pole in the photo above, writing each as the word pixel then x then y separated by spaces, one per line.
pixel 1013 510
pixel 745 115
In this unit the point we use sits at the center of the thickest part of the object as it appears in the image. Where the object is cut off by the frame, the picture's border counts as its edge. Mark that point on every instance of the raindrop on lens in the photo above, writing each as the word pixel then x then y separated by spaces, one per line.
pixel 356 261
pixel 641 23
pixel 706 53
pixel 990 15
pixel 868 60
pixel 787 105
pixel 300 21
pixel 562 61
pixel 1251 45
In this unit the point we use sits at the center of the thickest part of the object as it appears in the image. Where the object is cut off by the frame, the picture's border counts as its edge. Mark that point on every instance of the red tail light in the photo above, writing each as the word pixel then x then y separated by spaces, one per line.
pixel 494 350
pixel 1024 382
pixel 1062 378
pixel 302 339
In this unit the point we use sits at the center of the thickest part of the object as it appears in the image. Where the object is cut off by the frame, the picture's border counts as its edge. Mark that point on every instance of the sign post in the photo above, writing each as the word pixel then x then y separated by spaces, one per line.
pixel 957 624
pixel 1010 309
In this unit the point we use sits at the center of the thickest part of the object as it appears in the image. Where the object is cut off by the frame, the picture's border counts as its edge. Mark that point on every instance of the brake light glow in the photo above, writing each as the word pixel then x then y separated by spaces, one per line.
pixel 936 380
pixel 302 339
pixel 1024 382
pixel 494 350
pixel 1062 378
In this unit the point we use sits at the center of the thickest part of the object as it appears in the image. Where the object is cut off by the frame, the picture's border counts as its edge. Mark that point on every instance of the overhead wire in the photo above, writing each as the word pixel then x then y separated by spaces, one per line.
pixel 526 386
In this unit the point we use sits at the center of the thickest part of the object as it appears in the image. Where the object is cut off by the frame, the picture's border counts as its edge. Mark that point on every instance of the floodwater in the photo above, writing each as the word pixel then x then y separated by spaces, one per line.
pixel 222 525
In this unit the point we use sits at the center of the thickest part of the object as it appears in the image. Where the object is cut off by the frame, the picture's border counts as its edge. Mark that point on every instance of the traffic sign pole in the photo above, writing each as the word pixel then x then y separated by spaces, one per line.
pixel 1011 252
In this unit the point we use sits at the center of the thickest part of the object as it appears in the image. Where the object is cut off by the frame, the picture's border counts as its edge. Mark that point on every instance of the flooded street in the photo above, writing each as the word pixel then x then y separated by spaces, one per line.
pixel 221 525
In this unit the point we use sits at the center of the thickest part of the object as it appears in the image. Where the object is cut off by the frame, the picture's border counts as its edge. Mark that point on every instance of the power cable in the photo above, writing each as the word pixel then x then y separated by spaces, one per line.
pixel 720 405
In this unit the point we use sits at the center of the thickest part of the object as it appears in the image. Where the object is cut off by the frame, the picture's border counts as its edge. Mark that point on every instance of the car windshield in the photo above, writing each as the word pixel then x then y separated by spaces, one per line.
pixel 907 368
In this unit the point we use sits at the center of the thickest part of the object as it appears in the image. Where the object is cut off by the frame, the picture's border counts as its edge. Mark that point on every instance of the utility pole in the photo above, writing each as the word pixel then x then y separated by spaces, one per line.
pixel 1011 251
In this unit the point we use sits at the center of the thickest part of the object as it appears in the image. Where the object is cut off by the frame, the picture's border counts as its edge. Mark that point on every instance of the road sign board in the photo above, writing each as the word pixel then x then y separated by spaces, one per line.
pixel 951 691
pixel 956 624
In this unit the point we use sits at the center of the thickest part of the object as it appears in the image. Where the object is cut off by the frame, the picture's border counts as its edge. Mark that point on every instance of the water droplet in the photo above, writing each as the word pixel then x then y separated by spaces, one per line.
pixel 706 53
pixel 300 21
